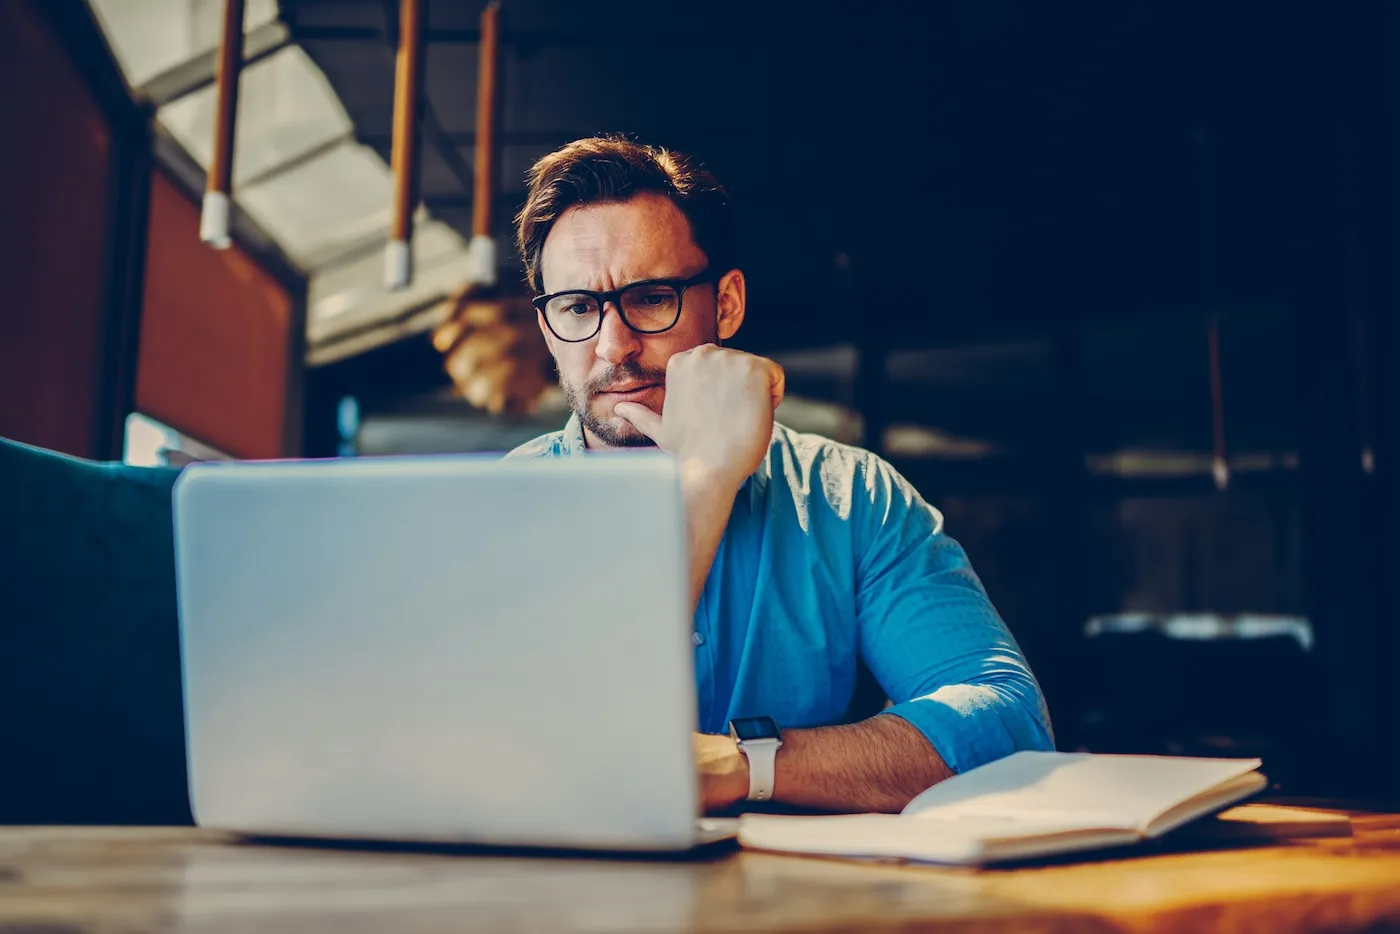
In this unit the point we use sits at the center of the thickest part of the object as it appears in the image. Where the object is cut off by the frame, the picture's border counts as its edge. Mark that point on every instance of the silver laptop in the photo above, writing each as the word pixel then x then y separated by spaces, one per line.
pixel 442 649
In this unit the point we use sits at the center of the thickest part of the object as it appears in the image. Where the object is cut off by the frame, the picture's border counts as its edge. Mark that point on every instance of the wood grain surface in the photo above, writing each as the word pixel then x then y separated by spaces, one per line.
pixel 89 880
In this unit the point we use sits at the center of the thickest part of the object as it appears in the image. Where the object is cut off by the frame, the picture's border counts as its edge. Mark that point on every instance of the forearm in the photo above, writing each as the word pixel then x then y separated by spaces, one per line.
pixel 709 499
pixel 879 764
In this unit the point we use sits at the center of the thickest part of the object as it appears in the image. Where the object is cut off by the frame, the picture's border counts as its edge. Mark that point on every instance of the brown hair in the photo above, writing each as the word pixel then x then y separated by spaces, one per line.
pixel 603 169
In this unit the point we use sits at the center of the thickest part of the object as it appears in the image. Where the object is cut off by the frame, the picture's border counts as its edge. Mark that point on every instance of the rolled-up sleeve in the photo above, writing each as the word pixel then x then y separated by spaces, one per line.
pixel 930 635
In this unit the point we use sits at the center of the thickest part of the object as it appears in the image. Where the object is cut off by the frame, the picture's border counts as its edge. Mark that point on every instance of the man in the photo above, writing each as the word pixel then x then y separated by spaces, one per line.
pixel 809 558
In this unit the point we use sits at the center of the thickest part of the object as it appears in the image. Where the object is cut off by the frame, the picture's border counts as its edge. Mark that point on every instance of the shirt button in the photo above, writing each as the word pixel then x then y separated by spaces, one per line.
pixel 696 639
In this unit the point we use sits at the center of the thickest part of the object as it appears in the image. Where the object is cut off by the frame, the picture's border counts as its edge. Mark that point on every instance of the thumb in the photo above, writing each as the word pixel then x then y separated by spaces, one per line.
pixel 777 386
pixel 645 420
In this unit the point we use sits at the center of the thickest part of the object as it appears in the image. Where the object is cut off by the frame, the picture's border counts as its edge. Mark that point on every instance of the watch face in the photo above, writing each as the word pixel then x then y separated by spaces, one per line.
pixel 747 728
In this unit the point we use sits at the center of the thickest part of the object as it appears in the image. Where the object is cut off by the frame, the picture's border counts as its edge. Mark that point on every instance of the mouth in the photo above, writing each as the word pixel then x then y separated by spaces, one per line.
pixel 628 393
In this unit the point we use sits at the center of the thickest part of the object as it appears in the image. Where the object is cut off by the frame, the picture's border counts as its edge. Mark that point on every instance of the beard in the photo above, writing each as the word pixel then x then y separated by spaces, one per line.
pixel 612 430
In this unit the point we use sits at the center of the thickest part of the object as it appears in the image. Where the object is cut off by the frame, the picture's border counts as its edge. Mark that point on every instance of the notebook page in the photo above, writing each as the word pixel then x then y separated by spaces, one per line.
pixel 969 840
pixel 1221 796
pixel 863 836
pixel 1077 789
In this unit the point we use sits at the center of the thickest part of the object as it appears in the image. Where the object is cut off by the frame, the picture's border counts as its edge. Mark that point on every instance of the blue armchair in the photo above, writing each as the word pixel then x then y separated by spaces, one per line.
pixel 91 721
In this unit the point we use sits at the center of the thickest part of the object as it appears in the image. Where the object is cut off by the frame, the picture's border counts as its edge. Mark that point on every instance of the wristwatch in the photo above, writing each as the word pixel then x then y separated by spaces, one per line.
pixel 759 739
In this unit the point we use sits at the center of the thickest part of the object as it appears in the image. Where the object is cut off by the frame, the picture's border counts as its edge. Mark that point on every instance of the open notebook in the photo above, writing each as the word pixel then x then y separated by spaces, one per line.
pixel 1026 805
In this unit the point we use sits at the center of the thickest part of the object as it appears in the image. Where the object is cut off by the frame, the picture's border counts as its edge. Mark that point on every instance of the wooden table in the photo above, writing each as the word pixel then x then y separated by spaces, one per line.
pixel 84 880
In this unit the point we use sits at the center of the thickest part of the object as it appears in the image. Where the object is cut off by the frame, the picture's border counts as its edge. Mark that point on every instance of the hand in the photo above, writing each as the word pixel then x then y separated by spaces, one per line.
pixel 493 351
pixel 723 770
pixel 718 415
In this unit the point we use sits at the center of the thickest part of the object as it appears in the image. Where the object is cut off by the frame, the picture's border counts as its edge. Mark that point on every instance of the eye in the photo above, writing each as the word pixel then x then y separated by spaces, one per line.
pixel 572 305
pixel 660 297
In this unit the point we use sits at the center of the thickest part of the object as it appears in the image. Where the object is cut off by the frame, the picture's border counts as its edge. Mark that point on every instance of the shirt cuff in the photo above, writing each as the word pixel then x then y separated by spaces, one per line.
pixel 973 724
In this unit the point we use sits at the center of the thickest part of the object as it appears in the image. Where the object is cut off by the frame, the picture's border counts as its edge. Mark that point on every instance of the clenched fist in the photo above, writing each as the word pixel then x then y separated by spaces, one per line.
pixel 717 418
pixel 492 350
pixel 723 771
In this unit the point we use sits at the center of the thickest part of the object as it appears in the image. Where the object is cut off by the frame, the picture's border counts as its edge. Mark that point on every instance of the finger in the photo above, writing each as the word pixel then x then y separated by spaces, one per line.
pixel 645 420
pixel 486 388
pixel 483 313
pixel 446 334
pixel 481 348
pixel 777 383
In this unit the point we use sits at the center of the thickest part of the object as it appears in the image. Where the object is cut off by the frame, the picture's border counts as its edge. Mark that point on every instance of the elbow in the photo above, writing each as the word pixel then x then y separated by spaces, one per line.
pixel 972 724
pixel 1025 714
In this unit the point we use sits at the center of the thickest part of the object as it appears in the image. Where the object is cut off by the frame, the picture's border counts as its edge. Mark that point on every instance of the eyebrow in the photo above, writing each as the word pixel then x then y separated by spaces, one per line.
pixel 677 277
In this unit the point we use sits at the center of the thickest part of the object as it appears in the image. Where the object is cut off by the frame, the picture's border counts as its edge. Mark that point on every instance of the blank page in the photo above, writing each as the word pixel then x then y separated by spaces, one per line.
pixel 1069 789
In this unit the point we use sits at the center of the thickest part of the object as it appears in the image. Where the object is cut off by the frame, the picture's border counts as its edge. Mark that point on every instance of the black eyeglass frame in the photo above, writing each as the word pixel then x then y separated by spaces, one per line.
pixel 615 298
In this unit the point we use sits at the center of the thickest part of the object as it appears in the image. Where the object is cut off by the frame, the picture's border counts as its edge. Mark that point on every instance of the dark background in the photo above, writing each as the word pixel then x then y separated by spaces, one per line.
pixel 1018 219
pixel 1006 223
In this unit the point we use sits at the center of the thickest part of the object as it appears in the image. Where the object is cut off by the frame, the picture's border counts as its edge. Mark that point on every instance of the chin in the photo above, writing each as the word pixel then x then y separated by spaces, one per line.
pixel 618 432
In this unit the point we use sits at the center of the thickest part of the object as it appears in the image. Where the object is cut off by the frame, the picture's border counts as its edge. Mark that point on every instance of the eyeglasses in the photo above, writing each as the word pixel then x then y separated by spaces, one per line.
pixel 647 307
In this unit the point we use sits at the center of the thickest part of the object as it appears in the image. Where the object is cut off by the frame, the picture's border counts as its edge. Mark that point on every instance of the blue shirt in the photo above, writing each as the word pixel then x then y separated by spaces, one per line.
pixel 831 558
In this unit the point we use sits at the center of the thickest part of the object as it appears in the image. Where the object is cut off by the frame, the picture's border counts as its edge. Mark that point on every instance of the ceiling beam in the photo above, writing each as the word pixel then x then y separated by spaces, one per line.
pixel 468 138
pixel 557 138
pixel 510 200
pixel 302 158
pixel 522 38
pixel 198 72
pixel 342 253
pixel 189 176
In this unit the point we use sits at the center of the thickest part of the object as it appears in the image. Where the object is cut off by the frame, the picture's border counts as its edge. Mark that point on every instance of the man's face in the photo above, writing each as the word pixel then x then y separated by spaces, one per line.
pixel 601 247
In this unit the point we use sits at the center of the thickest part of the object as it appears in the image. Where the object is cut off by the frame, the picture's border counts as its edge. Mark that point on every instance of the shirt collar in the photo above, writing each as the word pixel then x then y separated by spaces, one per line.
pixel 571 441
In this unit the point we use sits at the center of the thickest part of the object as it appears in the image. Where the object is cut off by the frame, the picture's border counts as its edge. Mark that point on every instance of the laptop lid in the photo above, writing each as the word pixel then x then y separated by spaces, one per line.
pixel 440 649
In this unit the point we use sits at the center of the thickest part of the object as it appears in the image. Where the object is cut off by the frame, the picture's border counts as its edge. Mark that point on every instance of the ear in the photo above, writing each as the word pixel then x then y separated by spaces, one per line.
pixel 730 300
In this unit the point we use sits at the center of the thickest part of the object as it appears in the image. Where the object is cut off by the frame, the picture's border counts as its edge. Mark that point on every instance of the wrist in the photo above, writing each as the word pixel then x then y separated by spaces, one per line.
pixel 700 478
pixel 737 789
pixel 759 740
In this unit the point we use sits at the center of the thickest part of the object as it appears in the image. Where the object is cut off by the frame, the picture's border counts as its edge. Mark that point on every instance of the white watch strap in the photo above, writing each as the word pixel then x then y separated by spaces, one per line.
pixel 762 755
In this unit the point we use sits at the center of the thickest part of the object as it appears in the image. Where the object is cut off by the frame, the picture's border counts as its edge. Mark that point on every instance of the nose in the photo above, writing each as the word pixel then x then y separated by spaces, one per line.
pixel 616 341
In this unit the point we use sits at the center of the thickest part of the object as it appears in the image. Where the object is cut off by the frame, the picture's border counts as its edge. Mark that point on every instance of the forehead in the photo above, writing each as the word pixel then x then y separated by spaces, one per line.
pixel 611 244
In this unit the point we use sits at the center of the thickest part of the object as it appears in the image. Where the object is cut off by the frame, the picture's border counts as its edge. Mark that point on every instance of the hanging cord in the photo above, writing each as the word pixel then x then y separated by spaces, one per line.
pixel 214 212
pixel 1368 451
pixel 1220 465
pixel 403 157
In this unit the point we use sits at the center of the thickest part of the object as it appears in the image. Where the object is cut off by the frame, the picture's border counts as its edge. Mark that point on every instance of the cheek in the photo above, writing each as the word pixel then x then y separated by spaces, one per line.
pixel 689 332
pixel 573 362
pixel 658 354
